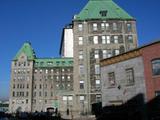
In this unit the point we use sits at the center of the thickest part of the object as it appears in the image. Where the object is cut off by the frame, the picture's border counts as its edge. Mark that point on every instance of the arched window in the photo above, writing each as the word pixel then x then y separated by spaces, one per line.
pixel 156 67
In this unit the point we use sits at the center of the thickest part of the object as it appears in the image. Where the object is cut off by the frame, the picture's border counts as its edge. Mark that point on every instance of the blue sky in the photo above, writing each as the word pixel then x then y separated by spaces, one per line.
pixel 41 23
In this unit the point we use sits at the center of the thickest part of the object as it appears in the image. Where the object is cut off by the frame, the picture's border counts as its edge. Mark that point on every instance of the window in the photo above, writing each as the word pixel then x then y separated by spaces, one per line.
pixel 15 63
pixel 95 39
pixel 109 54
pixel 115 39
pixel 114 26
pixel 116 51
pixel 107 26
pixel 27 94
pixel 102 26
pixel 94 26
pixel 68 77
pixel 103 13
pixel 80 27
pixel 130 76
pixel 40 94
pixel 64 98
pixel 62 77
pixel 156 67
pixel 96 54
pixel 157 93
pixel 34 94
pixel 45 94
pixel 111 79
pixel 70 98
pixel 108 40
pixel 98 98
pixel 81 84
pixel 35 71
pixel 46 71
pixel 103 39
pixel 104 52
pixel 81 54
pixel 26 101
pixel 40 86
pixel 81 69
pixel 129 27
pixel 81 98
pixel 130 39
pixel 80 39
pixel 97 69
pixel 98 83
pixel 27 85
pixel 13 94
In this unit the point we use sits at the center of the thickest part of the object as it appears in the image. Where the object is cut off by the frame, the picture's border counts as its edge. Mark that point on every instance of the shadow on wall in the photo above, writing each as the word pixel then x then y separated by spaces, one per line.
pixel 133 109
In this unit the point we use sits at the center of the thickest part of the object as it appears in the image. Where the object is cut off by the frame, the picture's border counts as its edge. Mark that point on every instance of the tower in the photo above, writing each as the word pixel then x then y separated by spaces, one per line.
pixel 102 29
pixel 21 79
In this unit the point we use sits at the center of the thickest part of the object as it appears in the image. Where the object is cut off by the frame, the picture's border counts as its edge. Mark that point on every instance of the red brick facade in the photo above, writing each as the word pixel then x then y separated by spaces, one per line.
pixel 150 53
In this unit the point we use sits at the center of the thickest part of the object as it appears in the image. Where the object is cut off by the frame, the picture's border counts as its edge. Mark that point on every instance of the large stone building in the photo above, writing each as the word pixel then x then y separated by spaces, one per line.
pixel 102 29
pixel 40 83
pixel 129 74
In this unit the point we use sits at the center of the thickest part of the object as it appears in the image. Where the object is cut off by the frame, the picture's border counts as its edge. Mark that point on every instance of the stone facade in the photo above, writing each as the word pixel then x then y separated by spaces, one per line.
pixel 139 67
pixel 123 90
pixel 97 44
pixel 40 83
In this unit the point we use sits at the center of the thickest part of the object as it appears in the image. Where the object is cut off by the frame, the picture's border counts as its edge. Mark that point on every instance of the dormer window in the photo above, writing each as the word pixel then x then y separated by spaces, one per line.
pixel 103 13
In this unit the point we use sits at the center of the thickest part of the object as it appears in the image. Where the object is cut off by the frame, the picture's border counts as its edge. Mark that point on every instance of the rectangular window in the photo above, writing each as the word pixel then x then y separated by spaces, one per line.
pixel 103 39
pixel 107 26
pixel 45 94
pixel 115 26
pixel 97 69
pixel 81 84
pixel 94 26
pixel 40 94
pixel 111 79
pixel 81 98
pixel 95 39
pixel 109 54
pixel 116 52
pixel 108 40
pixel 156 67
pixel 27 94
pixel 80 40
pixel 129 27
pixel 130 39
pixel 157 93
pixel 80 27
pixel 98 83
pixel 98 98
pixel 64 98
pixel 96 54
pixel 70 98
pixel 81 69
pixel 104 52
pixel 13 94
pixel 102 26
pixel 130 76
pixel 81 54
pixel 116 39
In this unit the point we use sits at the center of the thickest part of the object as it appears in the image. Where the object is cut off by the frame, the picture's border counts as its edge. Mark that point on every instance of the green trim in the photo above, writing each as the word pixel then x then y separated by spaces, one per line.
pixel 53 62
pixel 27 50
pixel 94 8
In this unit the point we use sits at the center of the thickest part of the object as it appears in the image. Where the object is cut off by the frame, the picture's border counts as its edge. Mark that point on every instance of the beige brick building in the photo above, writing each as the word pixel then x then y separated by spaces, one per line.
pixel 102 29
pixel 40 83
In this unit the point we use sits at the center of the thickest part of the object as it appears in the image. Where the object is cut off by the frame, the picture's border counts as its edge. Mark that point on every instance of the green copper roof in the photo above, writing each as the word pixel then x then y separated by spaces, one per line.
pixel 27 50
pixel 95 8
pixel 54 62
